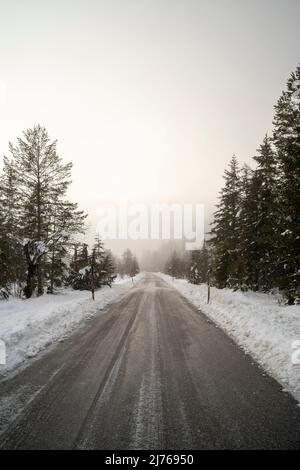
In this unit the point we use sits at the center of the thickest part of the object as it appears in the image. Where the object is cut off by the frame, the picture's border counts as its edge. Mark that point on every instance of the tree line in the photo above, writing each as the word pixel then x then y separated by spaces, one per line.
pixel 40 227
pixel 255 236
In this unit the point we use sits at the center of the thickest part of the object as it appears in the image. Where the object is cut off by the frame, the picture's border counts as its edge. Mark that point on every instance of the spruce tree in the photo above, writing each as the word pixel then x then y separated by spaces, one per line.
pixel 259 221
pixel 198 266
pixel 12 265
pixel 46 219
pixel 108 268
pixel 247 222
pixel 225 231
pixel 95 269
pixel 127 258
pixel 134 268
pixel 174 265
pixel 287 142
pixel 67 220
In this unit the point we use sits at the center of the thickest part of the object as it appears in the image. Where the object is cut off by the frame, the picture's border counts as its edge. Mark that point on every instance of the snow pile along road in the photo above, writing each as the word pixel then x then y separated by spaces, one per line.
pixel 29 326
pixel 268 331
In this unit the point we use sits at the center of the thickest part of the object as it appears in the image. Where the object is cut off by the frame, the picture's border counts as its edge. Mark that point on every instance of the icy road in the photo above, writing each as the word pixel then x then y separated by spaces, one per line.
pixel 150 373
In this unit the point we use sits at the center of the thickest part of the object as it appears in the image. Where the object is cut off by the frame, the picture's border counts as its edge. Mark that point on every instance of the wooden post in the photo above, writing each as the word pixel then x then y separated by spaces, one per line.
pixel 92 276
pixel 208 286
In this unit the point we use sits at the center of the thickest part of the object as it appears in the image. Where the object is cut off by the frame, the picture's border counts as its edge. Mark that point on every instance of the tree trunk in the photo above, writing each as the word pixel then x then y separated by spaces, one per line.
pixel 51 287
pixel 40 289
pixel 30 284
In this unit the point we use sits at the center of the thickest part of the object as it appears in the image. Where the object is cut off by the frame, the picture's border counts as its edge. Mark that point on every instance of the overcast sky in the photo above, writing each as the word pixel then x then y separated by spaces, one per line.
pixel 148 98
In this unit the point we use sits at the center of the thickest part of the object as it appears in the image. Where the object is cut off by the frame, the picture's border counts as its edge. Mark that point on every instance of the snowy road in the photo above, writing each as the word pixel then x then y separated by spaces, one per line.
pixel 150 373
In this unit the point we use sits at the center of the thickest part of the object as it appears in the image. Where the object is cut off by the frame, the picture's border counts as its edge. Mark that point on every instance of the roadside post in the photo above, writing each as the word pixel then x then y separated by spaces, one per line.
pixel 208 286
pixel 92 278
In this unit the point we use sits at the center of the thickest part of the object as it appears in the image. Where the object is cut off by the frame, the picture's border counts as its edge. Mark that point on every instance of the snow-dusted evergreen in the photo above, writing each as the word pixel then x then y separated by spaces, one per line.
pixel 199 266
pixel 255 237
pixel 226 230
pixel 287 142
pixel 258 223
pixel 38 222
pixel 176 265
pixel 256 229
pixel 92 270
pixel 128 265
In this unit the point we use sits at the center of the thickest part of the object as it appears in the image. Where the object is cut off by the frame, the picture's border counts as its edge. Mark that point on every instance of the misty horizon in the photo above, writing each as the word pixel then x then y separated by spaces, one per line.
pixel 156 95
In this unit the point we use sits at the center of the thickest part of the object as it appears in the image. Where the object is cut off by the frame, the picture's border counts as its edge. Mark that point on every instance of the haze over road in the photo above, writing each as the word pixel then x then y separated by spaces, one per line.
pixel 150 373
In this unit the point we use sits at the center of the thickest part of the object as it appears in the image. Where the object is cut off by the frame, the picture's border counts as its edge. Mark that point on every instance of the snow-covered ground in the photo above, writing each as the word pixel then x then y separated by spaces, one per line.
pixel 29 326
pixel 268 331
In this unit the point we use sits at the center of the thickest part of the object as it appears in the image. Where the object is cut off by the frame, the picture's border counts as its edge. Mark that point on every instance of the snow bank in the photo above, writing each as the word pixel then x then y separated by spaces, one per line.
pixel 29 326
pixel 256 322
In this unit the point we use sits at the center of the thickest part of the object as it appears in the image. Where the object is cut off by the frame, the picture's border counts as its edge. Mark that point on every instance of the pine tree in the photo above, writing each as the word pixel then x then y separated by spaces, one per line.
pixel 108 269
pixel 95 269
pixel 12 266
pixel 225 231
pixel 120 267
pixel 67 220
pixel 4 272
pixel 129 264
pixel 84 256
pixel 199 265
pixel 174 266
pixel 97 262
pixel 258 221
pixel 56 267
pixel 127 258
pixel 46 220
pixel 134 268
pixel 247 223
pixel 287 142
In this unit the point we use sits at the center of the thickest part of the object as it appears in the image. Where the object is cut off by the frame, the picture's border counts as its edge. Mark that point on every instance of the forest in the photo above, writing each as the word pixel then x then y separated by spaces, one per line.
pixel 253 242
pixel 40 228
pixel 255 234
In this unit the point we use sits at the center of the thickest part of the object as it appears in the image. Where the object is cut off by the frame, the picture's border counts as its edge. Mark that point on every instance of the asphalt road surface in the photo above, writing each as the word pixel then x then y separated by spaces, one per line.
pixel 151 372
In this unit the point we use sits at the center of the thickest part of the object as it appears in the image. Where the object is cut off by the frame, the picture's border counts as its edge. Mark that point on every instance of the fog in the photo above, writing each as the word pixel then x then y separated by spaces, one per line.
pixel 148 99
